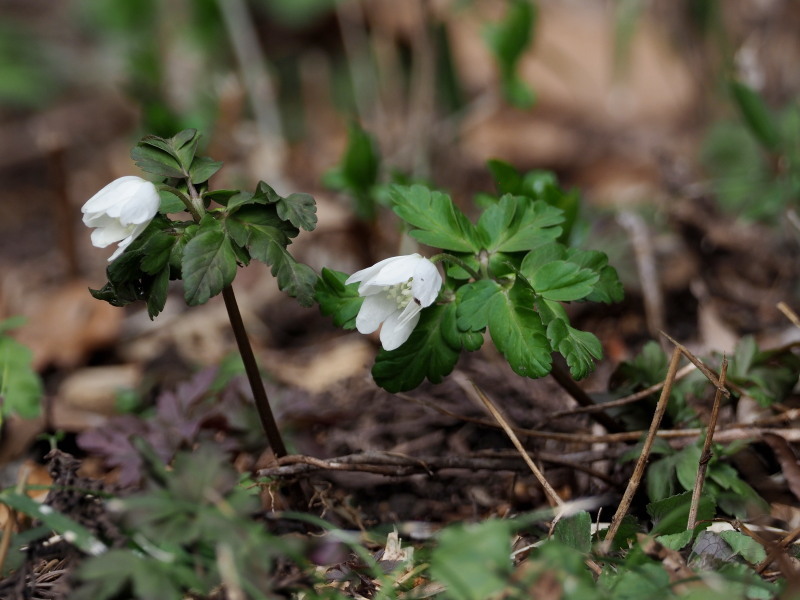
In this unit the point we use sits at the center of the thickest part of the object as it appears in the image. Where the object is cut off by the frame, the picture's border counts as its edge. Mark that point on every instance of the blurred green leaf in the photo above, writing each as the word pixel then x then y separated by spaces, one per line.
pixel 575 531
pixel 508 40
pixel 21 387
pixel 756 114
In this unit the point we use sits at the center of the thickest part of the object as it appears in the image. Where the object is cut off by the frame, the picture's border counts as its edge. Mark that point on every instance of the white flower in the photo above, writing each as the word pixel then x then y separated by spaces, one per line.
pixel 395 290
pixel 121 211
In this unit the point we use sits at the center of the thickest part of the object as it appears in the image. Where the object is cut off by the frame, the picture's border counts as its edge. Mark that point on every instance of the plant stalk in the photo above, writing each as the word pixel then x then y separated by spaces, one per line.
pixel 253 376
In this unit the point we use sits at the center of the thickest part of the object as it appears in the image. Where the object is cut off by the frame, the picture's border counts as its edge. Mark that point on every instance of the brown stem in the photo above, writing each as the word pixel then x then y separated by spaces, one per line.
pixel 563 379
pixel 253 376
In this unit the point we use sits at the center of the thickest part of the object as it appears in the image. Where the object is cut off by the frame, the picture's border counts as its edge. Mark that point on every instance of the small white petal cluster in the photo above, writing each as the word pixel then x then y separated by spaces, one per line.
pixel 120 212
pixel 395 290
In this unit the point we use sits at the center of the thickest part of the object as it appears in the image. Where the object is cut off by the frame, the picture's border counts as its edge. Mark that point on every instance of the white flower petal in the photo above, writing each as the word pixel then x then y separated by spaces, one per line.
pixel 399 271
pixel 426 283
pixel 395 331
pixel 109 195
pixel 369 272
pixel 373 312
pixel 142 206
pixel 113 232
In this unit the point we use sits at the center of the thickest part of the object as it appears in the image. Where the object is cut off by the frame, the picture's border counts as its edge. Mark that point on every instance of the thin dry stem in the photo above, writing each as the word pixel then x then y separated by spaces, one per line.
pixel 705 455
pixel 790 314
pixel 638 471
pixel 551 494
pixel 11 525
pixel 710 375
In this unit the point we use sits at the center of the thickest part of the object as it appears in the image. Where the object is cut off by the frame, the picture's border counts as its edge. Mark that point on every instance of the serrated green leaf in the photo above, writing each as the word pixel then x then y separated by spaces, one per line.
pixel 438 222
pixel 295 278
pixel 517 224
pixel 21 387
pixel 155 161
pixel 579 348
pixel 670 514
pixel 337 300
pixel 157 292
pixel 518 332
pixel 454 337
pixel 473 301
pixel 185 145
pixel 560 280
pixel 300 210
pixel 745 546
pixel 156 252
pixel 170 203
pixel 676 541
pixel 575 531
pixel 425 354
pixel 239 199
pixel 758 117
pixel 209 263
pixel 203 168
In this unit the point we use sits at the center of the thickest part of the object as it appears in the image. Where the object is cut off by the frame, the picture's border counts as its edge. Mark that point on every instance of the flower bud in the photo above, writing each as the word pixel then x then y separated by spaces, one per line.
pixel 120 212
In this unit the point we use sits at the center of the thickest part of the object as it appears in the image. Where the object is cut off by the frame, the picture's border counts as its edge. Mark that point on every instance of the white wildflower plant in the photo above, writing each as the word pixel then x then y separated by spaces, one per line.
pixel 395 290
pixel 507 275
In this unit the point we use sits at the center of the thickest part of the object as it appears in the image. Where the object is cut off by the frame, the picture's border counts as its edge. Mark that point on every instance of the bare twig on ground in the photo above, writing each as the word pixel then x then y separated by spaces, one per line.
pixel 393 464
pixel 551 494
pixel 705 455
pixel 790 314
pixel 638 471
pixel 640 395
pixel 710 375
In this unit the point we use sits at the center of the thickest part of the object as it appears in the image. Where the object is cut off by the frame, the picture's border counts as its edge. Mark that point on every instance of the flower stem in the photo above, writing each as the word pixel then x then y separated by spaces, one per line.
pixel 253 376
pixel 458 262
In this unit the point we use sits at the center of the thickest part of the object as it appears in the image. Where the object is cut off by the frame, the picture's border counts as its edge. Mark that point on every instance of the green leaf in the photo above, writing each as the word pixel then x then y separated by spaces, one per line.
pixel 579 348
pixel 517 224
pixel 676 541
pixel 73 532
pixel 209 263
pixel 358 171
pixel 473 561
pixel 507 179
pixel 518 332
pixel 426 354
pixel 744 546
pixel 456 338
pixel 107 577
pixel 671 514
pixel 560 280
pixel 473 301
pixel 156 252
pixel 157 293
pixel 575 531
pixel 608 287
pixel 756 114
pixel 439 223
pixel 170 203
pixel 300 210
pixel 155 161
pixel 21 387
pixel 203 168
pixel 336 299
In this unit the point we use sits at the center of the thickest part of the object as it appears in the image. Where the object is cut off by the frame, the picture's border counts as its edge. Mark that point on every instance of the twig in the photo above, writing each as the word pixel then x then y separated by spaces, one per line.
pixel 638 471
pixel 551 494
pixel 710 375
pixel 790 314
pixel 737 433
pixel 399 465
pixel 777 548
pixel 705 455
pixel 635 397
pixel 253 376
pixel 5 543
pixel 581 397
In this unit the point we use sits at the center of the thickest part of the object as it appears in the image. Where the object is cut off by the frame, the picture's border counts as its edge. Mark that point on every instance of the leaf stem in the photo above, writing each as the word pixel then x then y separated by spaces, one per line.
pixel 458 262
pixel 189 203
pixel 253 376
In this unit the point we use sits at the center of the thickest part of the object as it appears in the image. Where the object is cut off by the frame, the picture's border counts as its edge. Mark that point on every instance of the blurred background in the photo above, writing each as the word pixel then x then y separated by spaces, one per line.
pixel 676 121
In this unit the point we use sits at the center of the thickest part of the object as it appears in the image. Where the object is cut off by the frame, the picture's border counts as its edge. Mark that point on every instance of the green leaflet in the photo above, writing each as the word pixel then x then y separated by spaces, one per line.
pixel 579 348
pixel 209 263
pixel 517 224
pixel 518 332
pixel 426 354
pixel 336 299
pixel 438 222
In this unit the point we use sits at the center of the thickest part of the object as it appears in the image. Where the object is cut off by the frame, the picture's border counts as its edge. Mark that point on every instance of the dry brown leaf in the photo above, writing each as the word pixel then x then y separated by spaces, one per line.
pixel 787 459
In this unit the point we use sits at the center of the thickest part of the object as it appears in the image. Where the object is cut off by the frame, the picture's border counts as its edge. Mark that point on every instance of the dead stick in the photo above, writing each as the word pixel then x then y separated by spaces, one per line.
pixel 705 455
pixel 638 471
pixel 564 379
pixel 790 314
pixel 554 498
pixel 710 375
